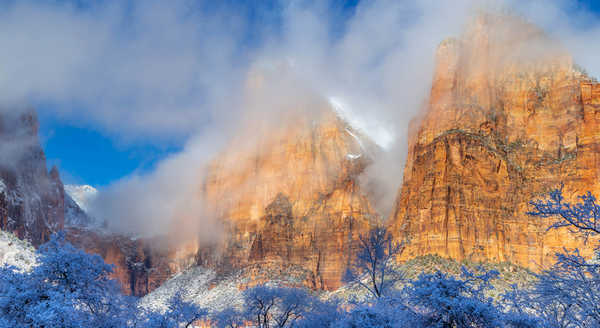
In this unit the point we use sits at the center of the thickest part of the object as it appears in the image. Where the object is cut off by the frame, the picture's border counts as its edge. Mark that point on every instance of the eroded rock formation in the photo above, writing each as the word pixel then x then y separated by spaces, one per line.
pixel 31 198
pixel 509 118
pixel 287 197
pixel 140 265
pixel 291 197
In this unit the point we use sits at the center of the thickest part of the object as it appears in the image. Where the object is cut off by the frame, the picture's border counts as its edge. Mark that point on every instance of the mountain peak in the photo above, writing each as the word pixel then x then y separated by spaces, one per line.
pixel 81 194
pixel 509 117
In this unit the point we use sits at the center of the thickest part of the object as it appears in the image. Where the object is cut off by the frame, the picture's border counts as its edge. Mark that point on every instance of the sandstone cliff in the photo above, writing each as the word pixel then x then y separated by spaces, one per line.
pixel 140 265
pixel 287 197
pixel 290 196
pixel 508 119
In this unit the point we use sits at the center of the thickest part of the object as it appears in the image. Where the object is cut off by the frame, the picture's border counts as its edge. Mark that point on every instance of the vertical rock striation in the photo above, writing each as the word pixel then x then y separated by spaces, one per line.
pixel 509 118
pixel 290 196
pixel 31 198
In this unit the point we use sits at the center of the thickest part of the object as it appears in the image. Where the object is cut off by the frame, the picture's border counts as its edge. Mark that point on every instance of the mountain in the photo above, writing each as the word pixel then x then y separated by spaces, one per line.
pixel 286 197
pixel 77 199
pixel 509 118
pixel 141 265
pixel 82 195
pixel 31 198
pixel 291 196
pixel 33 203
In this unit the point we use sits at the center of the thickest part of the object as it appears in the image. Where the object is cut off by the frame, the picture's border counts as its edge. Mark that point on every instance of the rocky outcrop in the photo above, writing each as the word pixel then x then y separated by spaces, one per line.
pixel 290 196
pixel 33 205
pixel 140 265
pixel 31 198
pixel 287 198
pixel 509 118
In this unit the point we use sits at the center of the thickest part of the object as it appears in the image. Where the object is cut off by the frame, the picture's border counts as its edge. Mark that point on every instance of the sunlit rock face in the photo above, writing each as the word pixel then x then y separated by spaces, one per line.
pixel 288 194
pixel 509 118
pixel 286 198
pixel 31 198
pixel 140 265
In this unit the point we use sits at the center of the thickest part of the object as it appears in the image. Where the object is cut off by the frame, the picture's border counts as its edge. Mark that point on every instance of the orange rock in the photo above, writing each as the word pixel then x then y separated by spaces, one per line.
pixel 508 119
pixel 290 196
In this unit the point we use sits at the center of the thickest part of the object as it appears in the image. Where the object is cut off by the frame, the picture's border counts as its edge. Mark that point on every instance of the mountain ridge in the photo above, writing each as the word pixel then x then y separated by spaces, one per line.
pixel 509 118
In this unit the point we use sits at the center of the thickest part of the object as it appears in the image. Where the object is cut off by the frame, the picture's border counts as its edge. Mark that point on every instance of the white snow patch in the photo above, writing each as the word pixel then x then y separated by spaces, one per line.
pixel 82 194
pixel 375 130
pixel 16 252
pixel 356 138
pixel 198 285
pixel 353 156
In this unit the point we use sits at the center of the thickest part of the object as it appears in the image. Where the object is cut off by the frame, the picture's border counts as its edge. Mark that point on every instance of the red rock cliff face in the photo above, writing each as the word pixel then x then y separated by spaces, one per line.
pixel 287 196
pixel 32 205
pixel 140 265
pixel 31 198
pixel 290 196
pixel 508 119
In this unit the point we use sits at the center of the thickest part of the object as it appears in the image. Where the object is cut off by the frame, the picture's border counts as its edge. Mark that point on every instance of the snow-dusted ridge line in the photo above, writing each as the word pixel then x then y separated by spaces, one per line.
pixel 376 131
pixel 81 194
pixel 77 202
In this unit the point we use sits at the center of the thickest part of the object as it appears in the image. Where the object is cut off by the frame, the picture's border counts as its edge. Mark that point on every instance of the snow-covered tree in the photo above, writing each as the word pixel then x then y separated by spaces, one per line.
pixel 445 301
pixel 382 312
pixel 68 288
pixel 373 268
pixel 178 313
pixel 568 294
pixel 581 218
pixel 322 314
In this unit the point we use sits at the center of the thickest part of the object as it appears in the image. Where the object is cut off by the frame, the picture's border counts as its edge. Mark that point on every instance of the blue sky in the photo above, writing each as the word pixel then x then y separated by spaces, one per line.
pixel 88 153
pixel 91 153
pixel 593 5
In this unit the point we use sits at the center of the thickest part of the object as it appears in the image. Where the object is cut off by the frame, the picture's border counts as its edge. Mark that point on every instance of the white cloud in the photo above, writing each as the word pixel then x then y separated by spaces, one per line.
pixel 173 69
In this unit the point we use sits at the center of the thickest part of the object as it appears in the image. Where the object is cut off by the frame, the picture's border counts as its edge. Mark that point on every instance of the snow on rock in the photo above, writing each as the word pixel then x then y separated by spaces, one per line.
pixel 81 194
pixel 358 141
pixel 381 134
pixel 16 252
pixel 198 285
pixel 74 215
pixel 207 289
pixel 77 200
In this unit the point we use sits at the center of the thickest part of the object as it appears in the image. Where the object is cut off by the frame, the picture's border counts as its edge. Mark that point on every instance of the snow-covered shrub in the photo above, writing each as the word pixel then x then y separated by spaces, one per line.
pixel 444 301
pixel 68 288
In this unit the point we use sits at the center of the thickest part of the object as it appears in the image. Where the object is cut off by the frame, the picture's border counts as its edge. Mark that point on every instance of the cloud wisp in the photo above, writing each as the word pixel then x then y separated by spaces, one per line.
pixel 177 70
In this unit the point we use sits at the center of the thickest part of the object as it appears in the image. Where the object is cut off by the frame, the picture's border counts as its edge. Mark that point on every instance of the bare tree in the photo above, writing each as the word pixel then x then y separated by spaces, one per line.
pixel 276 306
pixel 568 294
pixel 581 218
pixel 375 262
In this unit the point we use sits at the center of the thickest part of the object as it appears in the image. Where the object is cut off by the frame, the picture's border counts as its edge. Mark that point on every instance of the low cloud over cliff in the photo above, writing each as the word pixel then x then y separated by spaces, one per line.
pixel 178 71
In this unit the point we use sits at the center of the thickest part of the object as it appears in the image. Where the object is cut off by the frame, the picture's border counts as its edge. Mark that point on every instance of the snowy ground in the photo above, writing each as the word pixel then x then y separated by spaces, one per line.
pixel 16 252
pixel 198 285
pixel 209 290
pixel 203 287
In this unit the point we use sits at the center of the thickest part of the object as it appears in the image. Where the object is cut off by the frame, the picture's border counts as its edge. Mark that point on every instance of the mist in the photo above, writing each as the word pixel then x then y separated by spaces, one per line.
pixel 179 70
